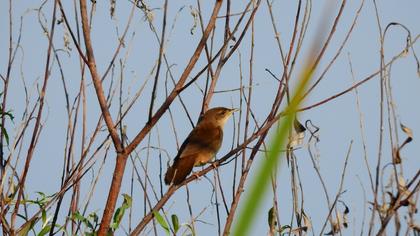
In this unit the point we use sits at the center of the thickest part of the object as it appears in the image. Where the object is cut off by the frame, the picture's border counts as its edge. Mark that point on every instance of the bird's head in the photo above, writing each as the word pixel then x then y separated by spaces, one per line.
pixel 218 115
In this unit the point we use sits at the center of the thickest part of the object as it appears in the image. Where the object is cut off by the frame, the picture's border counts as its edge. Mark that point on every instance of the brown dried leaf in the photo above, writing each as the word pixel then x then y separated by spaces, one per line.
pixel 407 131
pixel 336 225
pixel 402 187
pixel 272 219
pixel 396 157
pixel 298 135
pixel 415 227
pixel 299 128
pixel 383 209
pixel 112 8
pixel 306 221
pixel 345 214
pixel 299 230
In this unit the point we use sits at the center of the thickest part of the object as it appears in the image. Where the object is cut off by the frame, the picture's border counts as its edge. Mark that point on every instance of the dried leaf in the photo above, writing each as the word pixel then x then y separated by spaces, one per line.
pixel 405 52
pixel 407 131
pixel 284 228
pixel 383 209
pixel 402 187
pixel 299 230
pixel 336 225
pixel 298 135
pixel 347 210
pixel 415 227
pixel 112 8
pixel 391 197
pixel 272 219
pixel 306 221
pixel 345 215
pixel 66 39
pixel 396 157
pixel 150 16
pixel 194 14
pixel 299 128
pixel 401 182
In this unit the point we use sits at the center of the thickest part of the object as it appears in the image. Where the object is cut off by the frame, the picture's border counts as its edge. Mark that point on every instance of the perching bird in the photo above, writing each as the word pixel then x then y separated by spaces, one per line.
pixel 200 146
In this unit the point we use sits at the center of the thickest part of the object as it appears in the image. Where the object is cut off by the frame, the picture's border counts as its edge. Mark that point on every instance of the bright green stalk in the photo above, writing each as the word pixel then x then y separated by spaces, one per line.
pixel 261 182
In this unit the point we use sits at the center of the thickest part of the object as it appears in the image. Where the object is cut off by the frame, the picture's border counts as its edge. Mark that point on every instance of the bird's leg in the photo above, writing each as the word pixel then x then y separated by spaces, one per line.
pixel 195 174
pixel 213 163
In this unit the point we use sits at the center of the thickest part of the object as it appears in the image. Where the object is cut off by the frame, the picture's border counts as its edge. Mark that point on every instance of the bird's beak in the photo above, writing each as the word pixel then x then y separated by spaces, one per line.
pixel 234 110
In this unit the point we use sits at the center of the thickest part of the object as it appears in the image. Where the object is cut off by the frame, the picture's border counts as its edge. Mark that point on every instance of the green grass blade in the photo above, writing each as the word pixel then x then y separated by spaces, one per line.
pixel 261 181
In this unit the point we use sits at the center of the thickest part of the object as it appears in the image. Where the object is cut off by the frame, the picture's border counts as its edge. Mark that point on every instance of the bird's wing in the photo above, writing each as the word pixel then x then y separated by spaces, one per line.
pixel 181 168
pixel 199 141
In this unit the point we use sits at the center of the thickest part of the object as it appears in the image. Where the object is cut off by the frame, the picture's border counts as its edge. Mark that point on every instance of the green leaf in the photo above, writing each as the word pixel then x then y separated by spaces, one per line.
pixel 76 215
pixel 44 216
pixel 27 227
pixel 119 213
pixel 94 217
pixel 127 200
pixel 9 114
pixel 84 220
pixel 161 221
pixel 25 230
pixel 191 229
pixel 175 222
pixel 45 230
pixel 259 184
pixel 6 135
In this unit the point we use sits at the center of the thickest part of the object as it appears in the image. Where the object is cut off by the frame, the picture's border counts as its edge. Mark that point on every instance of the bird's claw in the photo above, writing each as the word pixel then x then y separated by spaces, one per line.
pixel 195 174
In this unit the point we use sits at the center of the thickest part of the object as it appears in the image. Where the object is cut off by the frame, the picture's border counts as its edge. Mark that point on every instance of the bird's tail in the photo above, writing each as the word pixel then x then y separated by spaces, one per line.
pixel 181 168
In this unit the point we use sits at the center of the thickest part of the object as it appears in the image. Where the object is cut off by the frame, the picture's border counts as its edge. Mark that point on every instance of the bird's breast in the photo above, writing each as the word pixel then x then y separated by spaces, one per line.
pixel 203 158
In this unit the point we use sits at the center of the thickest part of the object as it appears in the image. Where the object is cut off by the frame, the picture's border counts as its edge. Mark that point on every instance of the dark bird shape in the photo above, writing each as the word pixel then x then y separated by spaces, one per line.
pixel 200 146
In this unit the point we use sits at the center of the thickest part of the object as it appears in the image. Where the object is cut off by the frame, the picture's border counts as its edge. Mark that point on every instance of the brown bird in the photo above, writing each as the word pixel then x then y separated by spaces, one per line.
pixel 200 146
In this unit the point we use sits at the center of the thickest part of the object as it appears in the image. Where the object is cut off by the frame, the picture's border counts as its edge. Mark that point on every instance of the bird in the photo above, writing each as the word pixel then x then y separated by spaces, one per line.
pixel 200 146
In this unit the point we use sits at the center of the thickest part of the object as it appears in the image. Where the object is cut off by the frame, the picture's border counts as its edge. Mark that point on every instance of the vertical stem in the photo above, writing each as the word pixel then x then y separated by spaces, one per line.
pixel 35 132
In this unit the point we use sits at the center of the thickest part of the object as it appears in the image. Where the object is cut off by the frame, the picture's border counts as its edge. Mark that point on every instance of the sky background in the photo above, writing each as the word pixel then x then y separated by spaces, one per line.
pixel 338 119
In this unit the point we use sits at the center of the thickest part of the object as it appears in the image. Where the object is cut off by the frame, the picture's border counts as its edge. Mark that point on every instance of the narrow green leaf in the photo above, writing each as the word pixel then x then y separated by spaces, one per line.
pixel 9 114
pixel 161 221
pixel 119 213
pixel 6 135
pixel 259 184
pixel 43 216
pixel 45 230
pixel 175 222
pixel 191 229
pixel 25 230
pixel 28 226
